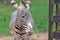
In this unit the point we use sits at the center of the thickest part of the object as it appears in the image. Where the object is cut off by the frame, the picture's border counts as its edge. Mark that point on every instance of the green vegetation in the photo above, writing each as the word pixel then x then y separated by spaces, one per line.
pixel 39 11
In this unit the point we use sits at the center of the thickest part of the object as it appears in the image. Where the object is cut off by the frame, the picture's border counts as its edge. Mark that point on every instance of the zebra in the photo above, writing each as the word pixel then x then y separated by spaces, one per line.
pixel 22 23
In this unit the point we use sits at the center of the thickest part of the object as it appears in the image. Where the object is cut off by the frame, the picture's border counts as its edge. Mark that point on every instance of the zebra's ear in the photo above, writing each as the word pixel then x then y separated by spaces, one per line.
pixel 28 3
pixel 24 4
pixel 13 3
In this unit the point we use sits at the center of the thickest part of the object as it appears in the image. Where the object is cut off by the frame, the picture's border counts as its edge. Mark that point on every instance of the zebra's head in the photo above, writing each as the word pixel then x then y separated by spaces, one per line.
pixel 23 8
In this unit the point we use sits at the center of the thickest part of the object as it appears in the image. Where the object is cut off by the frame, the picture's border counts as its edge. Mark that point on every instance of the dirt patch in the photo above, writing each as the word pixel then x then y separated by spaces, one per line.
pixel 41 36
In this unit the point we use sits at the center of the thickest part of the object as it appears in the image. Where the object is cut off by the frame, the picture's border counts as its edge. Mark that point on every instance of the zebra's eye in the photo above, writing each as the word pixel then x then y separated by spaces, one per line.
pixel 23 16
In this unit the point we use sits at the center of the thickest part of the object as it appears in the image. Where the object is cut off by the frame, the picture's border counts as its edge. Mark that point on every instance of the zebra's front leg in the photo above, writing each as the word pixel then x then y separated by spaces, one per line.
pixel 17 36
pixel 25 37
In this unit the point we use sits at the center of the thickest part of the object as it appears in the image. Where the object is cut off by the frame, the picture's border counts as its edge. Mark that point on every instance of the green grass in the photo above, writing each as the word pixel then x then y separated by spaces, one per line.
pixel 39 11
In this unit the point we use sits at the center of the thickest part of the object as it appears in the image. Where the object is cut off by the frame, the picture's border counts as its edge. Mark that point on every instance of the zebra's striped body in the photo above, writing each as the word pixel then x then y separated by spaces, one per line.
pixel 21 24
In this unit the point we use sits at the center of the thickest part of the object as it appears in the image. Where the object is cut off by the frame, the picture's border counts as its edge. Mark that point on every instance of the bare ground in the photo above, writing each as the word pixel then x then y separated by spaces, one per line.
pixel 41 36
